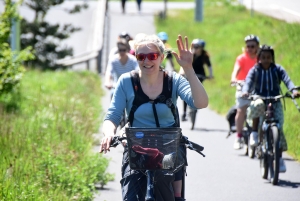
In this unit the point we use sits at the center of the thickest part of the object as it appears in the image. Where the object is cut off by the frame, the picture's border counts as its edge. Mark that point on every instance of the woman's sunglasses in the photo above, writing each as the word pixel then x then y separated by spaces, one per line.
pixel 150 56
pixel 122 50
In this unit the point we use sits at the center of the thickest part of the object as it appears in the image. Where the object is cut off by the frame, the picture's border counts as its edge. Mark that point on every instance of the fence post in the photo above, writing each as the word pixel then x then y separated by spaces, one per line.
pixel 15 34
pixel 199 10
pixel 99 61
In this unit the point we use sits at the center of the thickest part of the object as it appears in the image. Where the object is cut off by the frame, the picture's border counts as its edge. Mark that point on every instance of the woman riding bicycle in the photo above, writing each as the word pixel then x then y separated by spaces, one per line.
pixel 264 78
pixel 150 54
pixel 200 58
pixel 119 63
pixel 243 64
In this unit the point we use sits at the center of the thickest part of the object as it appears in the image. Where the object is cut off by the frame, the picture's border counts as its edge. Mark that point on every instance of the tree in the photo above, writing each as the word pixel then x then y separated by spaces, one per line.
pixel 44 37
pixel 11 69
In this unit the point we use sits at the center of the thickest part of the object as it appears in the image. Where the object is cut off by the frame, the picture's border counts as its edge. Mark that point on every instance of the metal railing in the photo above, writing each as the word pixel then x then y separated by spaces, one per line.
pixel 95 54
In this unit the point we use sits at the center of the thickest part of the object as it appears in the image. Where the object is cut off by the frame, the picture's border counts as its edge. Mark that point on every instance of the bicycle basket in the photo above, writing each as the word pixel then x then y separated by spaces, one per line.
pixel 153 148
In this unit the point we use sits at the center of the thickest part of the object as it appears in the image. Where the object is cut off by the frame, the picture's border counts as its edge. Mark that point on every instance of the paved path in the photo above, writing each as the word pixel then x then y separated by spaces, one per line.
pixel 288 10
pixel 224 174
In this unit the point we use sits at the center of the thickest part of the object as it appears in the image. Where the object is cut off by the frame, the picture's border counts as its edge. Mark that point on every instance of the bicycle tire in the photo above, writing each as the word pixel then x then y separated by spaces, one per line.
pixel 264 169
pixel 245 142
pixel 273 132
pixel 251 151
pixel 193 118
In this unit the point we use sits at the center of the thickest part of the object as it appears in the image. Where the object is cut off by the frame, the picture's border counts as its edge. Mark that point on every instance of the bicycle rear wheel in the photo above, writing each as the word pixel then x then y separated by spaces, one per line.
pixel 274 162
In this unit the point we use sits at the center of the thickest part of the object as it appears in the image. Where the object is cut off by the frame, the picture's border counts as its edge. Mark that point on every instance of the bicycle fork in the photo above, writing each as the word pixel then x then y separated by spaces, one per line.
pixel 150 186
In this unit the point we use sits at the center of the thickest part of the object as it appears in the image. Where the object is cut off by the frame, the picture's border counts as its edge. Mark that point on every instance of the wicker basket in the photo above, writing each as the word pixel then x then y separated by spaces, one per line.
pixel 153 148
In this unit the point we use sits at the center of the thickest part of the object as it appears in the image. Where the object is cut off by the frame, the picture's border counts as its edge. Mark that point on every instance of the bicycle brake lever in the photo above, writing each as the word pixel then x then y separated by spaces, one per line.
pixel 115 142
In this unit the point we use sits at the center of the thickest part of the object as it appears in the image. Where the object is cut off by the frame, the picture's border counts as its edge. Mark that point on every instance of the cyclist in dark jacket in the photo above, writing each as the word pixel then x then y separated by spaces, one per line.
pixel 200 58
pixel 264 78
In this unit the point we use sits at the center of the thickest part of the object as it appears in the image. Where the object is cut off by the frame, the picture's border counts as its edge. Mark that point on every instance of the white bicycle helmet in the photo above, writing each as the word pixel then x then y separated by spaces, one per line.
pixel 251 37
pixel 199 42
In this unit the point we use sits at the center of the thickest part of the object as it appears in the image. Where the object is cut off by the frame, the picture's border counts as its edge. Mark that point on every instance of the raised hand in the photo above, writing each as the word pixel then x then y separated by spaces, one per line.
pixel 185 56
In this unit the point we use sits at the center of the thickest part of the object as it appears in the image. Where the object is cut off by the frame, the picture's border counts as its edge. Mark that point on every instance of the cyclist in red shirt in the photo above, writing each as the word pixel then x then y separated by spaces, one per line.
pixel 243 64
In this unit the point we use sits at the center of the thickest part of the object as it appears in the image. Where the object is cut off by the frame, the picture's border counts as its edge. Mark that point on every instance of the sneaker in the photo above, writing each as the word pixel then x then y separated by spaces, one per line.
pixel 253 138
pixel 237 143
pixel 282 167
pixel 183 117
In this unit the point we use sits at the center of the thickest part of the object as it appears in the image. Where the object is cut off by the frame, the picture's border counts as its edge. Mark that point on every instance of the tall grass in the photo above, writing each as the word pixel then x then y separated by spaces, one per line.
pixel 224 28
pixel 46 138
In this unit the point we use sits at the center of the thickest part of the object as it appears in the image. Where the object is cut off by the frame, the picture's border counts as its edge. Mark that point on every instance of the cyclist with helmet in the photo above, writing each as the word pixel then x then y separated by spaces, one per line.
pixel 200 58
pixel 257 79
pixel 122 35
pixel 163 36
pixel 243 64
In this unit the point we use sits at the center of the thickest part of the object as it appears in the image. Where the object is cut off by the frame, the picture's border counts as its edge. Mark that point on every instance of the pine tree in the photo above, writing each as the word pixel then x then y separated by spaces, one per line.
pixel 11 69
pixel 44 37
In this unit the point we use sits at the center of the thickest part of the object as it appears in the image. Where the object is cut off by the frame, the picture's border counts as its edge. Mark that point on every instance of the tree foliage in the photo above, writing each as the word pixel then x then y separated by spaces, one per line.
pixel 11 69
pixel 44 37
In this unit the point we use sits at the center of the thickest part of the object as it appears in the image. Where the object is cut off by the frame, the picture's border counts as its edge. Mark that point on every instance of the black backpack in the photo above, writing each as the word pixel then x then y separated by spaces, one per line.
pixel 141 98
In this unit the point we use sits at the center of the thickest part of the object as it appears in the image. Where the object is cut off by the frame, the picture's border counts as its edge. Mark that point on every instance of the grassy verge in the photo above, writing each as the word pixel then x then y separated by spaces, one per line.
pixel 46 138
pixel 223 29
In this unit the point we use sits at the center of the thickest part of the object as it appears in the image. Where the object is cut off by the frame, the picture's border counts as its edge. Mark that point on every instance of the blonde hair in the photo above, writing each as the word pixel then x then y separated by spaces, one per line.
pixel 149 39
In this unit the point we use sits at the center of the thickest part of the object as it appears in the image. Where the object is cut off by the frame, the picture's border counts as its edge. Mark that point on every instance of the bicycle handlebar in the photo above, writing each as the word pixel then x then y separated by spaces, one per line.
pixel 116 140
pixel 275 98
pixel 237 83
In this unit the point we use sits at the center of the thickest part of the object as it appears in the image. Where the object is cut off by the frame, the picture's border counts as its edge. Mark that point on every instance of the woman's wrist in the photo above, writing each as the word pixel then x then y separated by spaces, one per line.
pixel 189 72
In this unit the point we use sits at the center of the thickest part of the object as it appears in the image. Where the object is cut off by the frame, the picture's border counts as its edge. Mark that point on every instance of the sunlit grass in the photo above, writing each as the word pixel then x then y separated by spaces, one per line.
pixel 46 138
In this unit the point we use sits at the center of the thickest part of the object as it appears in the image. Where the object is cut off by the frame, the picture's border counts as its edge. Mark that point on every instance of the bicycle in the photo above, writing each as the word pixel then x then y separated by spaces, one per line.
pixel 248 150
pixel 268 150
pixel 145 145
pixel 193 112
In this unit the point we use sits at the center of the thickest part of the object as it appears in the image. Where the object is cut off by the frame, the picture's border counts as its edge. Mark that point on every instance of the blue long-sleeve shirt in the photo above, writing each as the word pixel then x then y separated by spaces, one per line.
pixel 143 116
pixel 266 82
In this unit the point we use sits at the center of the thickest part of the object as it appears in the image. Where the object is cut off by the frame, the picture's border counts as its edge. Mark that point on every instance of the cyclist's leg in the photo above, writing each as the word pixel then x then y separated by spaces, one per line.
pixel 183 118
pixel 239 119
pixel 133 182
pixel 254 112
pixel 123 5
pixel 163 186
pixel 139 4
pixel 278 114
pixel 241 105
pixel 177 184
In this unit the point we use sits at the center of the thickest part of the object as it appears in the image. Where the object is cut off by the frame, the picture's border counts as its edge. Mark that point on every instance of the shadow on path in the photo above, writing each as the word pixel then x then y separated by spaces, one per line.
pixel 210 130
pixel 288 184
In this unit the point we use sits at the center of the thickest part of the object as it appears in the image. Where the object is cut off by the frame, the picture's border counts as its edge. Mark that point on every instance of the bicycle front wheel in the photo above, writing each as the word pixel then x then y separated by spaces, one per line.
pixel 274 162
pixel 263 162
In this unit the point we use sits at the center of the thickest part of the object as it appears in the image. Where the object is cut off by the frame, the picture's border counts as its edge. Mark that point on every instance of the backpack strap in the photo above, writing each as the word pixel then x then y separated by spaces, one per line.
pixel 141 98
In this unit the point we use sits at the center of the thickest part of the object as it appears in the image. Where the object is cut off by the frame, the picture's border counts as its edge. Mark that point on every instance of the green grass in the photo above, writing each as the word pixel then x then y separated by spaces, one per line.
pixel 224 28
pixel 46 138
